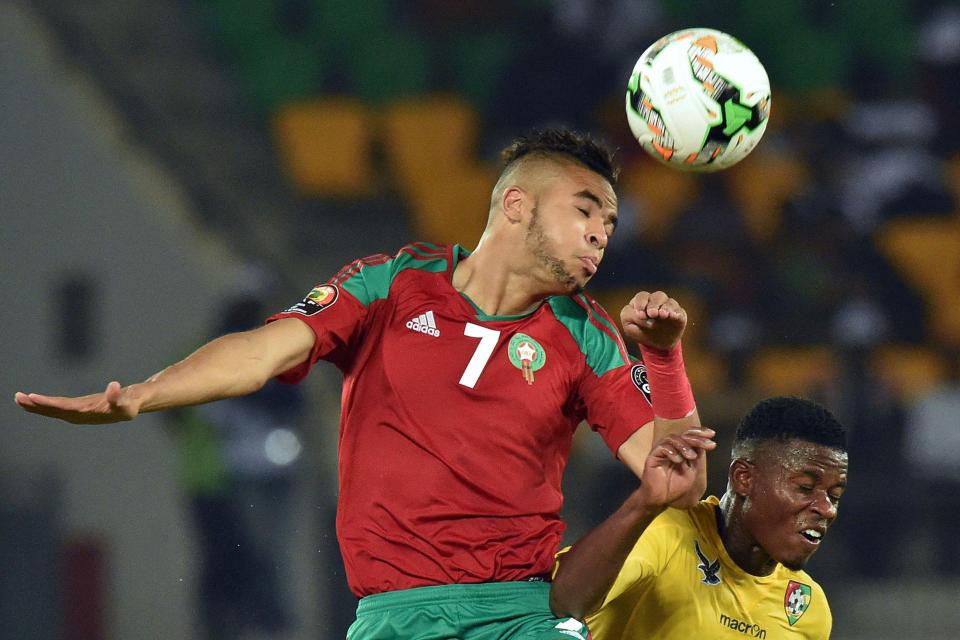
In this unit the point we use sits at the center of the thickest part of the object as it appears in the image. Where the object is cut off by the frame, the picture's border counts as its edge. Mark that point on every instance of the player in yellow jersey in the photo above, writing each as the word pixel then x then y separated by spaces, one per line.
pixel 727 568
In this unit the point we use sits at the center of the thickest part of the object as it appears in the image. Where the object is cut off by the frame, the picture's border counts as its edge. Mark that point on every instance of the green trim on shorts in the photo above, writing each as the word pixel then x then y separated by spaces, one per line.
pixel 487 611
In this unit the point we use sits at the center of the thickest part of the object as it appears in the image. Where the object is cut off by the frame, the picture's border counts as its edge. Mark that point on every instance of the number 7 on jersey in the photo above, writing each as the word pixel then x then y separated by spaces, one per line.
pixel 488 342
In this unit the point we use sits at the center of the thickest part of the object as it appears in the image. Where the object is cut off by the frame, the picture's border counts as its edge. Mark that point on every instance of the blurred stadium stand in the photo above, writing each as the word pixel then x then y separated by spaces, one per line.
pixel 308 132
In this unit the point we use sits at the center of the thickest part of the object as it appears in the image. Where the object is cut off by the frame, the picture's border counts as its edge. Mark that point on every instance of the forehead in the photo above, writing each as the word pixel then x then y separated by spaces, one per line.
pixel 797 456
pixel 573 178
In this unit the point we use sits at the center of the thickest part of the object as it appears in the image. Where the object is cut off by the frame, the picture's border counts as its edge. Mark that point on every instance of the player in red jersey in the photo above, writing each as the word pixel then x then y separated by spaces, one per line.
pixel 465 376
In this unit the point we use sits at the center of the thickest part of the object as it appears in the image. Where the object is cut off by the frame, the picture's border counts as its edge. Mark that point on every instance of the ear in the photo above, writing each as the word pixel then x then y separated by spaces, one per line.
pixel 513 203
pixel 741 477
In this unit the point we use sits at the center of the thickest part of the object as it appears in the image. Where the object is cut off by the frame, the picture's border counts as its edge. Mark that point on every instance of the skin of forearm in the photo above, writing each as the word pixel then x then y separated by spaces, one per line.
pixel 589 569
pixel 230 366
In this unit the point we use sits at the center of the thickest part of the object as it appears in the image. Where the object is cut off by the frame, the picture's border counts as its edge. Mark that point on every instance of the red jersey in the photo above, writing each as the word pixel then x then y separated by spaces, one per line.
pixel 456 426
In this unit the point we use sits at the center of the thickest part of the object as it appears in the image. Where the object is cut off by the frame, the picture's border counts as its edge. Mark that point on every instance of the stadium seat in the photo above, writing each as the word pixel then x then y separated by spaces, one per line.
pixel 662 193
pixel 925 251
pixel 760 185
pixel 455 208
pixel 910 371
pixel 791 370
pixel 953 178
pixel 324 146
pixel 429 138
pixel 707 371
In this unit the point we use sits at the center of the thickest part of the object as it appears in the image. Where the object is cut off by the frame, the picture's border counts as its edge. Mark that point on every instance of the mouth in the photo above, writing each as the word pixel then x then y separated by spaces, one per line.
pixel 590 264
pixel 813 536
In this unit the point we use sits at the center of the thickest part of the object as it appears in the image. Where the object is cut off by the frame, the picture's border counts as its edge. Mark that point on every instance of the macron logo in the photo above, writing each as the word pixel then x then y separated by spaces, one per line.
pixel 424 323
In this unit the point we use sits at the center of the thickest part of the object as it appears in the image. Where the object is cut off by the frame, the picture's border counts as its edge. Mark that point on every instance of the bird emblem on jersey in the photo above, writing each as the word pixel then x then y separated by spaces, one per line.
pixel 709 569
pixel 527 355
pixel 796 600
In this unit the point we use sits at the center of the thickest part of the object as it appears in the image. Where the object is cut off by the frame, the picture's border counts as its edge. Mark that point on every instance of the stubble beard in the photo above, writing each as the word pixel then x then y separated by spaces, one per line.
pixel 537 240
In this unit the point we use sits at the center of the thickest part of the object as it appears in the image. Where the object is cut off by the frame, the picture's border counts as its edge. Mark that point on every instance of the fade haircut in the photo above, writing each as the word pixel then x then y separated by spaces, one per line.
pixel 579 147
pixel 781 419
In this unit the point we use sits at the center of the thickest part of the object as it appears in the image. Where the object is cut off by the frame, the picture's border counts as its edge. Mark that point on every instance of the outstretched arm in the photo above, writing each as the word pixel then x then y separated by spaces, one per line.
pixel 232 365
pixel 586 572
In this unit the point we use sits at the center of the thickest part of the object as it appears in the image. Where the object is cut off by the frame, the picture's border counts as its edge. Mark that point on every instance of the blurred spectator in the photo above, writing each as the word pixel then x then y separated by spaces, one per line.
pixel 238 461
pixel 932 449
pixel 938 55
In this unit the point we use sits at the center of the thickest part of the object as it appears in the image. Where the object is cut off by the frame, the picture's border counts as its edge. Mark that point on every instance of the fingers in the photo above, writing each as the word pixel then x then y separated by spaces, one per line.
pixel 645 307
pixel 685 447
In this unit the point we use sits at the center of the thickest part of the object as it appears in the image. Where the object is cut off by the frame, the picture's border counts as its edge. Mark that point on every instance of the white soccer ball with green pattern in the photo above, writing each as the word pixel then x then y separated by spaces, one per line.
pixel 698 100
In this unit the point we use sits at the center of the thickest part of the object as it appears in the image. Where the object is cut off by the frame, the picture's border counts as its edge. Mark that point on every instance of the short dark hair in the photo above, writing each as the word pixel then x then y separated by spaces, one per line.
pixel 784 418
pixel 580 147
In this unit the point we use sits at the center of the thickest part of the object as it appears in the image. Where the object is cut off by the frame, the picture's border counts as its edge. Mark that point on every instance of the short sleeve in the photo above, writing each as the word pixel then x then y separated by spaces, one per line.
pixel 617 403
pixel 338 309
pixel 335 317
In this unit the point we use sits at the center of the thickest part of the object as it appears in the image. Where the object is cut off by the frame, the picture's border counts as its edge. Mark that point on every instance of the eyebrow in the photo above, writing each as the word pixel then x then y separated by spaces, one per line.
pixel 592 197
pixel 816 476
pixel 589 195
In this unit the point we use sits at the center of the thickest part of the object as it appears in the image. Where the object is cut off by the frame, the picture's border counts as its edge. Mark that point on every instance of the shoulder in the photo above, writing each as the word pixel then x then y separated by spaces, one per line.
pixel 369 279
pixel 593 330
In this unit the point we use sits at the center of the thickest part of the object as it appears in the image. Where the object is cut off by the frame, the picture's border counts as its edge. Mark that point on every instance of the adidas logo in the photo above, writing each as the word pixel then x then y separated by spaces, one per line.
pixel 424 323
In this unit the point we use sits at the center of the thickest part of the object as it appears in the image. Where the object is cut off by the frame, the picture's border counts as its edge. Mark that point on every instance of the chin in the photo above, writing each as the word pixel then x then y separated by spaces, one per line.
pixel 796 563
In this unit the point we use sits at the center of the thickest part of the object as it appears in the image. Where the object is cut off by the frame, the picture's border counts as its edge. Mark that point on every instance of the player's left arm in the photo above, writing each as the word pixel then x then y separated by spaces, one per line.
pixel 656 322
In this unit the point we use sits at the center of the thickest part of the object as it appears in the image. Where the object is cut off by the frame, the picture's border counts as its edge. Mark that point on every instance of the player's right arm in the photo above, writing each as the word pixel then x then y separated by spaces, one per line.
pixel 233 365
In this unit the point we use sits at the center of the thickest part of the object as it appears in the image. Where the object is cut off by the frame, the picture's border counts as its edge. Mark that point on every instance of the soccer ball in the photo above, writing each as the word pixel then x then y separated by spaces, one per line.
pixel 698 100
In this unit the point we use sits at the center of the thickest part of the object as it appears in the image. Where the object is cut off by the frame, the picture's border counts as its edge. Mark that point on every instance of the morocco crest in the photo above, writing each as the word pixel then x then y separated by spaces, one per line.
pixel 527 355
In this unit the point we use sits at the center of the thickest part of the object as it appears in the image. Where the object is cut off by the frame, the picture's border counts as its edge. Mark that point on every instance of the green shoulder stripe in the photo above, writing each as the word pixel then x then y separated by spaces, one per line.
pixel 590 332
pixel 369 279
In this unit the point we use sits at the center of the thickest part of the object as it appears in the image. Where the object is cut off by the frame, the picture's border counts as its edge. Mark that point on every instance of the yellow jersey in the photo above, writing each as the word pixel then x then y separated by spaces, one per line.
pixel 679 583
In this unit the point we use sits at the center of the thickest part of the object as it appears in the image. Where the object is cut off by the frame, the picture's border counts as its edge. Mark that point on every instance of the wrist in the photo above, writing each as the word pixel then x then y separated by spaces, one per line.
pixel 670 391
pixel 640 507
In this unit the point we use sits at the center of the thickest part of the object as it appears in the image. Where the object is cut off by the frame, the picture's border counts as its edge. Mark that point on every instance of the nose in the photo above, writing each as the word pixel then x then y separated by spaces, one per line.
pixel 824 507
pixel 597 235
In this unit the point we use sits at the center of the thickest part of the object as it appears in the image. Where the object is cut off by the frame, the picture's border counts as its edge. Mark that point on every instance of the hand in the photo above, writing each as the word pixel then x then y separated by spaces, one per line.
pixel 114 404
pixel 671 470
pixel 654 320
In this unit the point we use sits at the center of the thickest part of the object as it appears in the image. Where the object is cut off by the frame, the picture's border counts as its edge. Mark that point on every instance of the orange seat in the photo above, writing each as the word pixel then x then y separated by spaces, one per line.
pixel 760 185
pixel 911 371
pixel 707 371
pixel 661 192
pixel 324 146
pixel 454 209
pixel 927 252
pixel 791 370
pixel 428 139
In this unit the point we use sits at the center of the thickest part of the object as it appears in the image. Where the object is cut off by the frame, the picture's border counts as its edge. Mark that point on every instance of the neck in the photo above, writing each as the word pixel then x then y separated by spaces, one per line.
pixel 496 283
pixel 740 545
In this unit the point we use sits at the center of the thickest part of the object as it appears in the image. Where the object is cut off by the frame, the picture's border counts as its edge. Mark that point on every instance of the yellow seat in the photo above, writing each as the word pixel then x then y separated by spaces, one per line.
pixel 910 371
pixel 707 371
pixel 927 252
pixel 429 138
pixel 455 209
pixel 661 192
pixel 324 146
pixel 760 185
pixel 797 371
